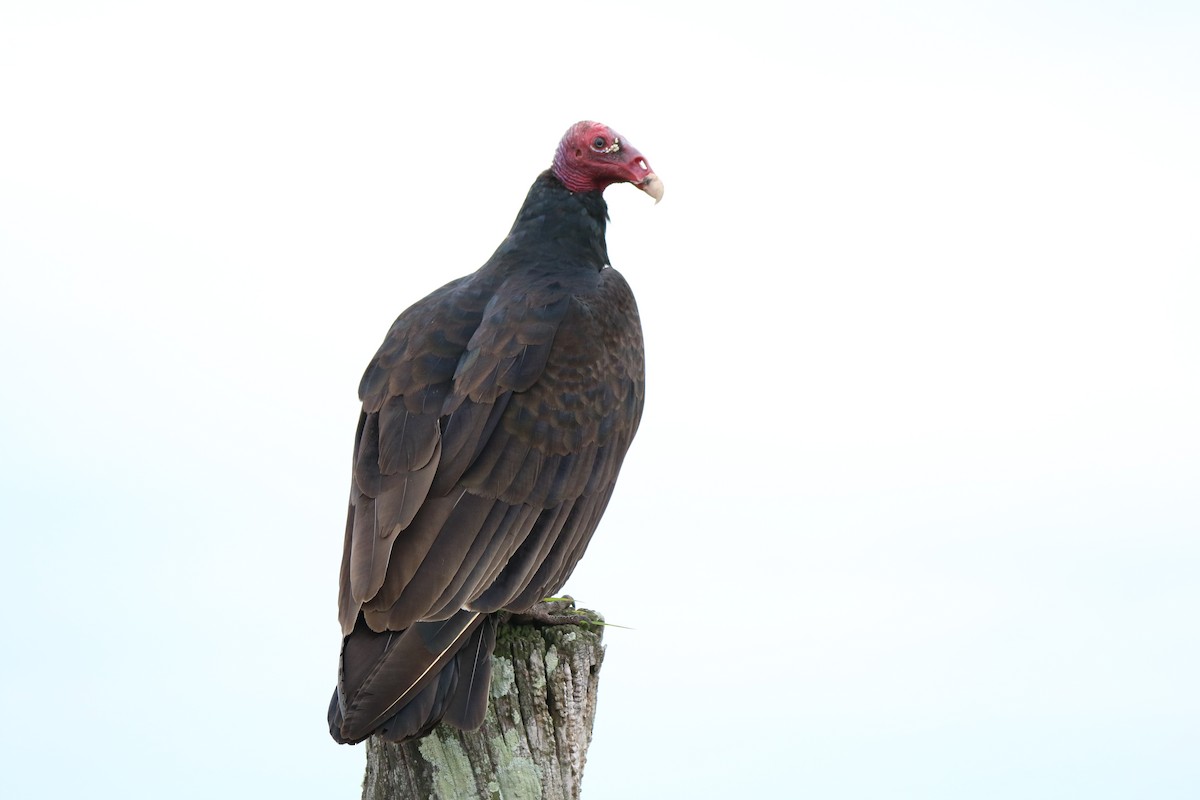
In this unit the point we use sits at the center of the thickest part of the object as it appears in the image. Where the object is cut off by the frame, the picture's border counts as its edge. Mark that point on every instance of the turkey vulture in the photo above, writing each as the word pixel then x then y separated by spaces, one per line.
pixel 494 421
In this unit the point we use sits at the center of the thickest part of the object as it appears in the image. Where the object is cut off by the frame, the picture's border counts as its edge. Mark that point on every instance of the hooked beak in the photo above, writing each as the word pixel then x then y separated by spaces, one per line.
pixel 652 186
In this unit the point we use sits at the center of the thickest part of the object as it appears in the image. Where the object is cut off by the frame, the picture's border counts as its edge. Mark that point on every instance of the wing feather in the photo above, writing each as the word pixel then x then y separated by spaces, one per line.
pixel 518 569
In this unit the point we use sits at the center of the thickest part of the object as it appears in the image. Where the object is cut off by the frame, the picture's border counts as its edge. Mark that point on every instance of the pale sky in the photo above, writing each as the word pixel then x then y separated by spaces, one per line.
pixel 914 511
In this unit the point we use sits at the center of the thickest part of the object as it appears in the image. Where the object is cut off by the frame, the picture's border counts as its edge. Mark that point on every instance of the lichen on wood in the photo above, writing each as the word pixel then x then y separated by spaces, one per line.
pixel 533 742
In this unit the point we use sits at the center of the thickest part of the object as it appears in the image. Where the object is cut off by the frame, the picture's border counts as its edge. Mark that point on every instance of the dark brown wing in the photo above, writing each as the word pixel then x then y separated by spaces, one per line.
pixel 495 418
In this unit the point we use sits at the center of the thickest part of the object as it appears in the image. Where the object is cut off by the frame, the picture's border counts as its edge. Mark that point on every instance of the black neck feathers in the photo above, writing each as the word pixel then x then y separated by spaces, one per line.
pixel 554 221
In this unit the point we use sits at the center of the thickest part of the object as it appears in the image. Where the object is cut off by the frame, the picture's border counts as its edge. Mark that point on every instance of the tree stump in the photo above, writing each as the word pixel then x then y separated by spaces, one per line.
pixel 533 742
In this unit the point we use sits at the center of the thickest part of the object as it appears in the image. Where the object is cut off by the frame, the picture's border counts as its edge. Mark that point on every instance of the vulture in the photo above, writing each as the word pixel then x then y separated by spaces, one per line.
pixel 495 417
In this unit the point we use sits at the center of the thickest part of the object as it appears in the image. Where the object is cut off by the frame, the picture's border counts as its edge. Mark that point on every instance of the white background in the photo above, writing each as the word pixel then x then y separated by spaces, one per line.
pixel 915 507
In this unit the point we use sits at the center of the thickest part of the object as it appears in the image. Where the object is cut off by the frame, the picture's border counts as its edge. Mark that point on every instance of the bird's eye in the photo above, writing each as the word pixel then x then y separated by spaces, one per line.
pixel 598 143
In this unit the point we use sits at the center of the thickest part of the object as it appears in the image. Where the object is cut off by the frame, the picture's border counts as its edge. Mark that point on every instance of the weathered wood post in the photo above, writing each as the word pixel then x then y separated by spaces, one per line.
pixel 533 742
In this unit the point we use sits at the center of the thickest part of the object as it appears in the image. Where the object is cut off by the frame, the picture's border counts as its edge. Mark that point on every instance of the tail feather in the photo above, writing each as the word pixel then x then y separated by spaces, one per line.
pixel 469 702
pixel 401 684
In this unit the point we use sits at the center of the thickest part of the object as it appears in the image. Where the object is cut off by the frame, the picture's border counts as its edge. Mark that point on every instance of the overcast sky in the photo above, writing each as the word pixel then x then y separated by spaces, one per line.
pixel 914 511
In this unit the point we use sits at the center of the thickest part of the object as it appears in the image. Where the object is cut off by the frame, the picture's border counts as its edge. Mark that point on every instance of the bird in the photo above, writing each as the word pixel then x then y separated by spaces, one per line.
pixel 495 418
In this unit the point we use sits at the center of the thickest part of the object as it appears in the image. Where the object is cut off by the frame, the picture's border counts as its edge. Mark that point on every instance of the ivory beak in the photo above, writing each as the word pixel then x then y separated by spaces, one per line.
pixel 653 186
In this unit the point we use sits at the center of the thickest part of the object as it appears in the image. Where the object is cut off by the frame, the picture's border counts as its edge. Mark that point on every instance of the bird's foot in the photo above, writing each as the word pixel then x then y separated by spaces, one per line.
pixel 558 611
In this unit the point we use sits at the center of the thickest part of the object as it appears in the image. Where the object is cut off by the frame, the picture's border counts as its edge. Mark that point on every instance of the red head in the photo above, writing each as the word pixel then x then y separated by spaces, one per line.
pixel 591 156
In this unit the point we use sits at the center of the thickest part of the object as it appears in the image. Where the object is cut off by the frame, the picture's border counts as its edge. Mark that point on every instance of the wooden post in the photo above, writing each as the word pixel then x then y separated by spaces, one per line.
pixel 534 740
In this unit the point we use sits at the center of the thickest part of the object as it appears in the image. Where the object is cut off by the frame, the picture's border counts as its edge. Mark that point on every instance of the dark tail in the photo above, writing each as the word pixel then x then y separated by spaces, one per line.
pixel 399 685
